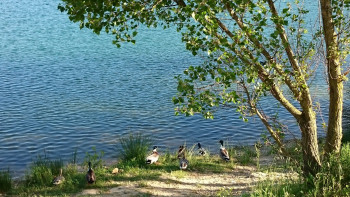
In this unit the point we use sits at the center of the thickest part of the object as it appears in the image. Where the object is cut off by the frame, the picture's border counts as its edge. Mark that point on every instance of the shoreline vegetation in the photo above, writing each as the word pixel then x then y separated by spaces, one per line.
pixel 253 171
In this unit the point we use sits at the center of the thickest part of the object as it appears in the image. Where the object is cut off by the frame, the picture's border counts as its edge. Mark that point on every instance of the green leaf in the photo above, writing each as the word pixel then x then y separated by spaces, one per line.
pixel 285 10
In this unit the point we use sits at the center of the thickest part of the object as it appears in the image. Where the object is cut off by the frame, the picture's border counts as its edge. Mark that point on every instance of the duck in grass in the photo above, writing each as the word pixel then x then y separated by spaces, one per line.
pixel 58 179
pixel 223 152
pixel 181 152
pixel 201 151
pixel 182 159
pixel 152 158
pixel 90 175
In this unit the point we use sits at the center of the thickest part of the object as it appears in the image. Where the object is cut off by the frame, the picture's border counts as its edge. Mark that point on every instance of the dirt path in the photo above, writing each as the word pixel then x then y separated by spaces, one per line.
pixel 238 181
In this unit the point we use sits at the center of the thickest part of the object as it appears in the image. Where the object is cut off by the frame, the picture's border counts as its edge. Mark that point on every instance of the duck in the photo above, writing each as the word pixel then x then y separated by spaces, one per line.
pixel 58 179
pixel 223 152
pixel 182 159
pixel 183 163
pixel 181 152
pixel 152 158
pixel 90 175
pixel 201 151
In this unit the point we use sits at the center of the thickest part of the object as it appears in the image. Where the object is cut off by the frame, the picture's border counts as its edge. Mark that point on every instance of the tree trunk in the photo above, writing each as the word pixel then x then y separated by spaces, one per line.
pixel 311 157
pixel 334 131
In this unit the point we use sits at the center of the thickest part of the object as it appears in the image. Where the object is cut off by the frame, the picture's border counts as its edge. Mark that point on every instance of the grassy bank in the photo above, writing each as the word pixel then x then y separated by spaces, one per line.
pixel 256 169
pixel 38 180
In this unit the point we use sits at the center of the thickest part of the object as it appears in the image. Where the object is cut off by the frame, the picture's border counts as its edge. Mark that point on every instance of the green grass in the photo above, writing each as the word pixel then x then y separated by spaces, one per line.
pixel 5 181
pixel 138 174
pixel 225 192
pixel 245 155
pixel 278 188
pixel 135 148
pixel 42 171
pixel 38 179
pixel 179 174
pixel 95 157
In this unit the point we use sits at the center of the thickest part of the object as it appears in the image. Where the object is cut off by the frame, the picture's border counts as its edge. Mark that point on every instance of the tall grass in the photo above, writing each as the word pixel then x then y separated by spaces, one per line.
pixel 95 157
pixel 38 178
pixel 5 181
pixel 345 161
pixel 135 149
pixel 42 171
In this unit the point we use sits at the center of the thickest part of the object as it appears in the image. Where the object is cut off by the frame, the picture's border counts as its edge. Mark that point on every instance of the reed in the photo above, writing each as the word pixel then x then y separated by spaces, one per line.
pixel 135 149
pixel 5 181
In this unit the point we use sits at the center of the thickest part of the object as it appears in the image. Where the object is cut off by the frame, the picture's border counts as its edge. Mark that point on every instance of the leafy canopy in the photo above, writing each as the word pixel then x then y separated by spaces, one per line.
pixel 252 48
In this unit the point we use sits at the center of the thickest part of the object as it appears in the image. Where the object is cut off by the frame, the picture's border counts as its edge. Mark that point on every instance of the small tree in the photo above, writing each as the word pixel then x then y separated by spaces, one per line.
pixel 255 48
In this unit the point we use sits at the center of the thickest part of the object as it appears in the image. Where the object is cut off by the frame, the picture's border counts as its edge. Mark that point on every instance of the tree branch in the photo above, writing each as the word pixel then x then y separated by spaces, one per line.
pixel 284 39
pixel 270 59
pixel 264 76
pixel 263 118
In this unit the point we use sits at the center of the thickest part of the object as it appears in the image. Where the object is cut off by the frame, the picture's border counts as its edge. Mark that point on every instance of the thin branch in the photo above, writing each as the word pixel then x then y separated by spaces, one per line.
pixel 264 76
pixel 257 44
pixel 265 122
pixel 284 39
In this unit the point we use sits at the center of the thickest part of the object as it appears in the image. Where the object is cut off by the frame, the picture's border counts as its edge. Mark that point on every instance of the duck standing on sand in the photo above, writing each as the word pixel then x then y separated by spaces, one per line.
pixel 58 179
pixel 223 152
pixel 152 158
pixel 90 175
pixel 201 151
pixel 182 159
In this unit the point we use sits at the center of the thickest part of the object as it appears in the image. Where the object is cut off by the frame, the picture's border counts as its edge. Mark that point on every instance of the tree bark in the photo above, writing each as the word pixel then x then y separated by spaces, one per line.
pixel 334 130
pixel 311 157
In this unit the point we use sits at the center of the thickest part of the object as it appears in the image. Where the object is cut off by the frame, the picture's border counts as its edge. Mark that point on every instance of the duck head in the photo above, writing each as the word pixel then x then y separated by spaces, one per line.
pixel 155 148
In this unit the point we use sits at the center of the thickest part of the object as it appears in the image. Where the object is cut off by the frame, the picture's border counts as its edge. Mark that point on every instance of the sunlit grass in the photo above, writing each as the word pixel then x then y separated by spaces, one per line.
pixel 179 174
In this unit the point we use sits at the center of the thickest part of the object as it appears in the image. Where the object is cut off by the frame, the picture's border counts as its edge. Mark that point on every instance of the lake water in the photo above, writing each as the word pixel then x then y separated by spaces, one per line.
pixel 63 89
